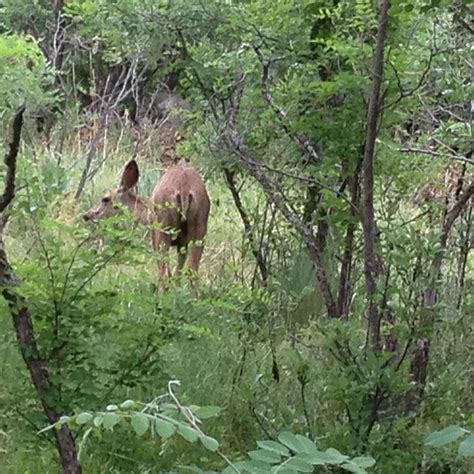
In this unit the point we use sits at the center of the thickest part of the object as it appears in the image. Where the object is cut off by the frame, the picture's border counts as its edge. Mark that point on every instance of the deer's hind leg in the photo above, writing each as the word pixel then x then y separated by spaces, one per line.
pixel 161 244
pixel 182 254
pixel 195 254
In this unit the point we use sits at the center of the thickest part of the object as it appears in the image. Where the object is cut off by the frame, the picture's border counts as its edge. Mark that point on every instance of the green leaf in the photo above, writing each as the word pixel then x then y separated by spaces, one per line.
pixel 320 458
pixel 282 469
pixel 127 404
pixel 110 420
pixel 270 445
pixel 46 428
pixel 298 464
pixel 209 443
pixel 290 440
pixel 307 445
pixel 84 418
pixel 188 433
pixel 98 420
pixel 351 467
pixel 337 456
pixel 364 461
pixel 256 467
pixel 164 428
pixel 207 412
pixel 466 448
pixel 140 423
pixel 64 419
pixel 445 436
pixel 266 456
pixel 112 407
pixel 230 469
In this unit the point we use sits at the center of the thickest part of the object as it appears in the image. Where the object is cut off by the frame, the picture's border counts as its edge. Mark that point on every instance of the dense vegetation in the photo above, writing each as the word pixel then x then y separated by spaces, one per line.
pixel 332 321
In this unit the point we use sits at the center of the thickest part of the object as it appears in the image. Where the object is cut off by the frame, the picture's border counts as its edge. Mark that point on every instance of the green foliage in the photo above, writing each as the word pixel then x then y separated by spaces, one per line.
pixel 25 77
pixel 448 435
pixel 157 417
pixel 295 389
pixel 276 457
pixel 291 453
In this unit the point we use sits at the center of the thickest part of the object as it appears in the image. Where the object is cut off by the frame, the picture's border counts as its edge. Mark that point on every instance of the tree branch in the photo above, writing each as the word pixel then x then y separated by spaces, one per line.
pixel 426 151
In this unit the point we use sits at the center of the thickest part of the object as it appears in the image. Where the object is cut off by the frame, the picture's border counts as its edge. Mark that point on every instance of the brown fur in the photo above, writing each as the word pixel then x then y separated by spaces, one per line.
pixel 179 203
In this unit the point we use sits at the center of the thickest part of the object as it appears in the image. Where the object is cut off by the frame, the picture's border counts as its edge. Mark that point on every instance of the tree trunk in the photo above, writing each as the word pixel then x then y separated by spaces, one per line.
pixel 347 257
pixel 373 263
pixel 37 368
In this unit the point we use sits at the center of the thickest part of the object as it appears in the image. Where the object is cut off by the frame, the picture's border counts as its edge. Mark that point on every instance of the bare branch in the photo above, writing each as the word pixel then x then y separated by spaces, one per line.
pixel 407 93
pixel 248 227
pixel 427 151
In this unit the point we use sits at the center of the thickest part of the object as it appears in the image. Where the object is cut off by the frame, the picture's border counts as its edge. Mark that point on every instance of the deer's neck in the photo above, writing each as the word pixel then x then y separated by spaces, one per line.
pixel 141 209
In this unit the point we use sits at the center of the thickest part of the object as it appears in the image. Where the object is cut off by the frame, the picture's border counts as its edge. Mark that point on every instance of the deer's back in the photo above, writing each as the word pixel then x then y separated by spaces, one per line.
pixel 182 202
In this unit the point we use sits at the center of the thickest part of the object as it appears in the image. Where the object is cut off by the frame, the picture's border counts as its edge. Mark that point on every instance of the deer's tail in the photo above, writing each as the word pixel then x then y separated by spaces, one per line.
pixel 183 202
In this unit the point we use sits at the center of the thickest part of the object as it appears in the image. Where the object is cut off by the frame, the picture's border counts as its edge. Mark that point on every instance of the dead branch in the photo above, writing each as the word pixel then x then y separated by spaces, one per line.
pixel 110 101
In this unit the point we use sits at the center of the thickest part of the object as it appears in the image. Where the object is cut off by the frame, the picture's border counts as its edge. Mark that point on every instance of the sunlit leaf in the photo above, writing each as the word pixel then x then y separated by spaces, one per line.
pixel 273 446
pixel 110 420
pixel 209 443
pixel 188 433
pixel 207 412
pixel 270 457
pixel 164 428
pixel 444 436
pixel 140 423
pixel 466 448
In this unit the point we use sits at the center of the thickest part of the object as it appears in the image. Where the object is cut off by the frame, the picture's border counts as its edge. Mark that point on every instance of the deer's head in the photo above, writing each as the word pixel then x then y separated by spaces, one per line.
pixel 110 203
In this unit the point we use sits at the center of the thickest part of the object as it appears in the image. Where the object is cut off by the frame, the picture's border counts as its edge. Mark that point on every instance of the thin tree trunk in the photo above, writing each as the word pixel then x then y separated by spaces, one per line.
pixel 466 246
pixel 248 227
pixel 348 255
pixel 22 320
pixel 373 263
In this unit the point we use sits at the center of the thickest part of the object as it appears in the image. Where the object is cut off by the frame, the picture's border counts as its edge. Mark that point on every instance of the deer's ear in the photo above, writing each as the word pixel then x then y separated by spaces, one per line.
pixel 130 175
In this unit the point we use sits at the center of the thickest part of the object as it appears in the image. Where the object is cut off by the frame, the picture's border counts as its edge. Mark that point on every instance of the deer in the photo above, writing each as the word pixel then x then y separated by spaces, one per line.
pixel 177 213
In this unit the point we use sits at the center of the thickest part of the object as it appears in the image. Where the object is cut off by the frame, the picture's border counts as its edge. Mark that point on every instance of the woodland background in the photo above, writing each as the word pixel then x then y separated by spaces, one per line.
pixel 333 320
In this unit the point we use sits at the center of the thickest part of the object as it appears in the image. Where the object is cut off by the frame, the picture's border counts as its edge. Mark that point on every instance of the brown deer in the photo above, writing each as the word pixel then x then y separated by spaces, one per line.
pixel 179 204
